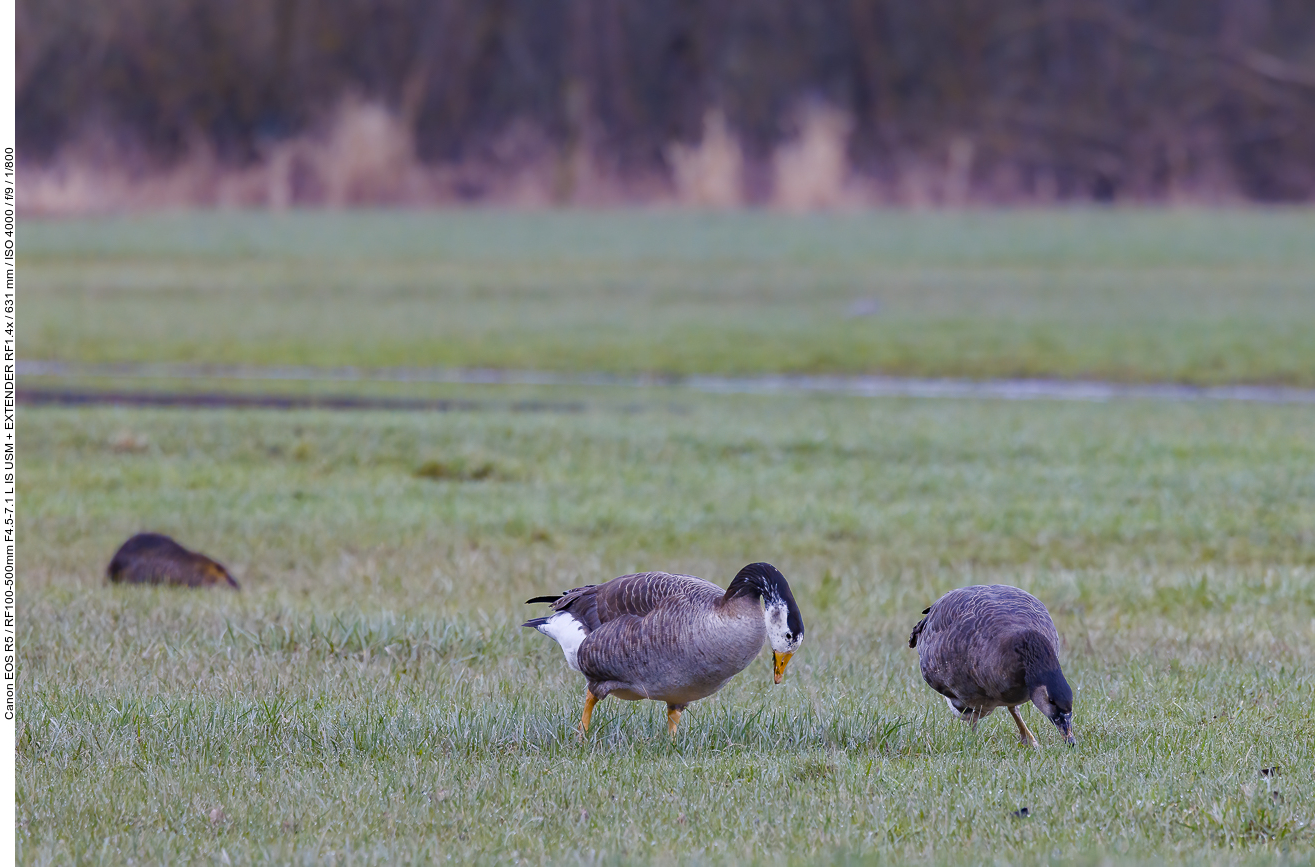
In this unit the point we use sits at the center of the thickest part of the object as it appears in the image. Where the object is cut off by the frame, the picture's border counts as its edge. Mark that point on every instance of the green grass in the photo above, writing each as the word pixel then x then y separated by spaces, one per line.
pixel 369 697
pixel 1199 297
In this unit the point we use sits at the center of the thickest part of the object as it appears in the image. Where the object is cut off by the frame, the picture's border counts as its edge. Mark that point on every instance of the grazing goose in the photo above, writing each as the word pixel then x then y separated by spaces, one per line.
pixel 671 638
pixel 153 558
pixel 994 646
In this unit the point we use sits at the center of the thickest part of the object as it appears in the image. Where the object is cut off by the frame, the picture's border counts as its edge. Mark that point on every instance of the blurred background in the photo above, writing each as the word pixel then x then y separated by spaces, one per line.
pixel 830 103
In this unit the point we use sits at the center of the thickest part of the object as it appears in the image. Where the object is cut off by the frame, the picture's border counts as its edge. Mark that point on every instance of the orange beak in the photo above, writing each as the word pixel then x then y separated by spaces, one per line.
pixel 779 661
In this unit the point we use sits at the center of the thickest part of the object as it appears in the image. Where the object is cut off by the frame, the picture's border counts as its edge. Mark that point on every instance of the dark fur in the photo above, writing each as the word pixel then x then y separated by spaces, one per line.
pixel 153 558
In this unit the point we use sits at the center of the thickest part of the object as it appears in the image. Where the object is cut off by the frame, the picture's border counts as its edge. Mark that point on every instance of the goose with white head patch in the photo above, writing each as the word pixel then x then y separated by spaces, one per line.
pixel 672 638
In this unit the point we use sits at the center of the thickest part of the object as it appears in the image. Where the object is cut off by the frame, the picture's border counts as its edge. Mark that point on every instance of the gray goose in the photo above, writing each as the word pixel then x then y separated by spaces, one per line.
pixel 994 646
pixel 671 638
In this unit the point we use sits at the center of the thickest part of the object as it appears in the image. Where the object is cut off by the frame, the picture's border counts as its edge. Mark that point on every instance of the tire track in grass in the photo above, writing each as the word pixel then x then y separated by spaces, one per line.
pixel 234 400
pixel 861 386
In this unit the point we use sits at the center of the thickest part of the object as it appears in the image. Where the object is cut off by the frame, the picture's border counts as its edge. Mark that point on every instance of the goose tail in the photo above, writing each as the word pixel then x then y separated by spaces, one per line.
pixel 917 630
pixel 564 629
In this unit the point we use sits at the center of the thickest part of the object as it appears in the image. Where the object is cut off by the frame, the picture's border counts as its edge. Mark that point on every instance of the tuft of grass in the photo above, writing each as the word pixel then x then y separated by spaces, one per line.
pixel 460 471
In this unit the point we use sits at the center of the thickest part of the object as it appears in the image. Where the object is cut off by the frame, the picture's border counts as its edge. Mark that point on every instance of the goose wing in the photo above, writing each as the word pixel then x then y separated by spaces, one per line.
pixel 650 635
pixel 637 625
pixel 958 639
pixel 629 596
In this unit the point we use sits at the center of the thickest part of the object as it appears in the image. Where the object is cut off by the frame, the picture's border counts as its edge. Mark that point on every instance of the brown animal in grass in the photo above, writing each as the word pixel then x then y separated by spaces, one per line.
pixel 153 558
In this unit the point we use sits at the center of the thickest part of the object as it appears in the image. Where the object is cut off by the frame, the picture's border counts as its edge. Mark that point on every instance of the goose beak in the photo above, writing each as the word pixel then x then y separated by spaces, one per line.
pixel 1065 723
pixel 779 661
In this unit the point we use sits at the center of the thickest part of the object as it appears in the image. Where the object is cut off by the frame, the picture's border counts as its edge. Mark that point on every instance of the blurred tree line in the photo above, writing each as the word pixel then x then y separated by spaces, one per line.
pixel 1098 99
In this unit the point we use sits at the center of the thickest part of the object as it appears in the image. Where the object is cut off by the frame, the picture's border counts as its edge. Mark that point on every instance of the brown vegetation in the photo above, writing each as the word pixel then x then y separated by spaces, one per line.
pixel 131 103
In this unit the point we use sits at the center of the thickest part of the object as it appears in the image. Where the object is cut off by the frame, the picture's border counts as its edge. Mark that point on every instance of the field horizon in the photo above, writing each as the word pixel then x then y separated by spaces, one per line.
pixel 1198 297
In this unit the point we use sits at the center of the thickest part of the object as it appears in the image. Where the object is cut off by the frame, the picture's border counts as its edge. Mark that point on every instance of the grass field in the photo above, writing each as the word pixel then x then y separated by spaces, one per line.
pixel 369 697
pixel 1195 297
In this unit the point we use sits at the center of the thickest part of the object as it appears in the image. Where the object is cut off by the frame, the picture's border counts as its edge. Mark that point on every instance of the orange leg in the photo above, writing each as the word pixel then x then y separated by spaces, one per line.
pixel 589 701
pixel 1028 739
pixel 673 718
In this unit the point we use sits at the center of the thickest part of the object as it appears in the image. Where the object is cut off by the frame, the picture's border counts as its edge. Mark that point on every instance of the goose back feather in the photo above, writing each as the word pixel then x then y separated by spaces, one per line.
pixel 991 646
pixel 972 641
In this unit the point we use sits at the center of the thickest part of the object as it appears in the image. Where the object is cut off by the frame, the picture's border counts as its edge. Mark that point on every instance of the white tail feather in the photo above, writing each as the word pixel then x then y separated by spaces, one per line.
pixel 566 631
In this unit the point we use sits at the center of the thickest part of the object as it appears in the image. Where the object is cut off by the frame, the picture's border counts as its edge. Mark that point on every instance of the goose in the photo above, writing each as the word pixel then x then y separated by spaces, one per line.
pixel 994 646
pixel 671 638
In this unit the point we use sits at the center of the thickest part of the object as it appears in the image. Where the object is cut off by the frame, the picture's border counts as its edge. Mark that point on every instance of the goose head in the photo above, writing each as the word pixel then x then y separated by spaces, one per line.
pixel 781 617
pixel 1046 686
pixel 1054 698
